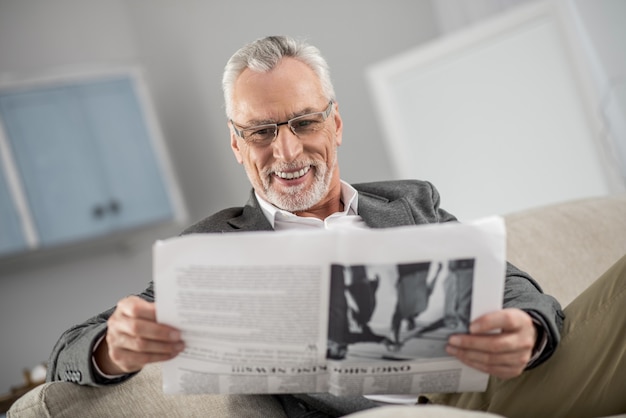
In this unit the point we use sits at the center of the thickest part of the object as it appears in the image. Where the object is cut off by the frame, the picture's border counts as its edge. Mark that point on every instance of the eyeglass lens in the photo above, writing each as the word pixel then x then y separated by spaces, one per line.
pixel 301 126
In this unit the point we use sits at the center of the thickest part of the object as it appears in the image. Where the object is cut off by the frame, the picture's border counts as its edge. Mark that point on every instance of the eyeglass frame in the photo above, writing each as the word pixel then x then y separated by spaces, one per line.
pixel 239 132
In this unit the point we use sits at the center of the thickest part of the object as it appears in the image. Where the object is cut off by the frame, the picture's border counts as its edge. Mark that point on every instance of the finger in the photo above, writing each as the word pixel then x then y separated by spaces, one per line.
pixel 121 341
pixel 500 371
pixel 503 371
pixel 129 353
pixel 136 307
pixel 136 317
pixel 144 329
pixel 517 359
pixel 504 367
pixel 507 320
pixel 129 361
pixel 498 343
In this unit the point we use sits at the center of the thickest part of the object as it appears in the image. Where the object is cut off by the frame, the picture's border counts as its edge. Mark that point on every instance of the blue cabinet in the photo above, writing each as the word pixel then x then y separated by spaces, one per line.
pixel 86 157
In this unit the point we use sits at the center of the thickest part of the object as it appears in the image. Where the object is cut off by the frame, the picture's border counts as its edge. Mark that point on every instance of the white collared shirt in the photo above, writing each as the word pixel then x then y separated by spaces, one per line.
pixel 282 220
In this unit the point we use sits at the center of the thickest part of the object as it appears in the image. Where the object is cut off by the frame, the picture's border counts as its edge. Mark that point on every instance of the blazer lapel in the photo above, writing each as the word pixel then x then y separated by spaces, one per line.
pixel 252 217
pixel 378 212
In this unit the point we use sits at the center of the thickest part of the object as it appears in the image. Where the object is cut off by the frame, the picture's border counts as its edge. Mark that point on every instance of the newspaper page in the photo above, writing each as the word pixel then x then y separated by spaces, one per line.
pixel 344 311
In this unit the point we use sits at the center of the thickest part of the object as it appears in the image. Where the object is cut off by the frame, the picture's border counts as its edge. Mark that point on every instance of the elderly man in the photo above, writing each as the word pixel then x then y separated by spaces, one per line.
pixel 285 129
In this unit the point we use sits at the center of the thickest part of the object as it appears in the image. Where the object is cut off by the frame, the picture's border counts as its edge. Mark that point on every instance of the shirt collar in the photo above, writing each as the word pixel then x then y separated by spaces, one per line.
pixel 349 197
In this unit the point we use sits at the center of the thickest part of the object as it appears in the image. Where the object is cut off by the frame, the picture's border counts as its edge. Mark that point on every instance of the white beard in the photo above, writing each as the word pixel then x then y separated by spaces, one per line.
pixel 300 198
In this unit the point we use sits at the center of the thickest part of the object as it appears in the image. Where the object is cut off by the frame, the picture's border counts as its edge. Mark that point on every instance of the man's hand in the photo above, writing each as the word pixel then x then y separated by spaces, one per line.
pixel 134 338
pixel 505 354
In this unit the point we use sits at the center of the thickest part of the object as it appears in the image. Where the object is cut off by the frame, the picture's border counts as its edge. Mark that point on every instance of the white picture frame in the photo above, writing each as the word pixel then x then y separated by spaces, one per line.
pixel 495 116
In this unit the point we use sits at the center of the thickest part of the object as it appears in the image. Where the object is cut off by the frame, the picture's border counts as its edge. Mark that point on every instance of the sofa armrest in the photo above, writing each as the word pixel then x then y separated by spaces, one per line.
pixel 140 396
pixel 566 246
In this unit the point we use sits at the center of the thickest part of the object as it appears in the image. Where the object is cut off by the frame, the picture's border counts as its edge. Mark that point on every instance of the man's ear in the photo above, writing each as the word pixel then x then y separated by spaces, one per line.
pixel 234 144
pixel 338 125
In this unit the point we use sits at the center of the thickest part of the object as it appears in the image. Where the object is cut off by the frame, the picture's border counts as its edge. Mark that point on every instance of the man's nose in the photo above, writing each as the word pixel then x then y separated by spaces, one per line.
pixel 287 146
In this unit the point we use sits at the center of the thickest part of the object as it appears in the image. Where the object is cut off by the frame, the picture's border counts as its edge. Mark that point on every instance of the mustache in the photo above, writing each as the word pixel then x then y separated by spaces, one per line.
pixel 296 165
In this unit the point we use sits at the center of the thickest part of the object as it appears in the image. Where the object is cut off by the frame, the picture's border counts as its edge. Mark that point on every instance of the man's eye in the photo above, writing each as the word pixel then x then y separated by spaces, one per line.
pixel 304 123
pixel 307 125
pixel 263 132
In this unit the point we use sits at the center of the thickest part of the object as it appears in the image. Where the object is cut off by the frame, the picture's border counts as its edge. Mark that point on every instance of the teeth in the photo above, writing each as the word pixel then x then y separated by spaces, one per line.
pixel 293 174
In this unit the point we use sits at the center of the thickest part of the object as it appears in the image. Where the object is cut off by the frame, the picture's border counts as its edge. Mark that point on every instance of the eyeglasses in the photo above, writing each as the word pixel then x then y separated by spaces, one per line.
pixel 301 126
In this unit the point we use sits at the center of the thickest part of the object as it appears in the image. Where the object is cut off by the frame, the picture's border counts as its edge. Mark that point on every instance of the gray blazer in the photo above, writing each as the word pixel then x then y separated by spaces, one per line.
pixel 381 205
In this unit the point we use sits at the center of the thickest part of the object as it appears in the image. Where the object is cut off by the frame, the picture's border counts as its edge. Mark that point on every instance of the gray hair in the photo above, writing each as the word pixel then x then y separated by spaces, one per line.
pixel 264 54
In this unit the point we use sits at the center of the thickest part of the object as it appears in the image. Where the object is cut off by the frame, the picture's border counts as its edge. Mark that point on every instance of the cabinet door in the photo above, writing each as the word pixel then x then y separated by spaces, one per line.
pixel 12 237
pixel 135 183
pixel 86 157
pixel 58 163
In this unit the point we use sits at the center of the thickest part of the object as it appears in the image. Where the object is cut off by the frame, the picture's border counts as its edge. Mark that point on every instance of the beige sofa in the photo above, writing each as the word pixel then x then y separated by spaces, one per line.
pixel 564 246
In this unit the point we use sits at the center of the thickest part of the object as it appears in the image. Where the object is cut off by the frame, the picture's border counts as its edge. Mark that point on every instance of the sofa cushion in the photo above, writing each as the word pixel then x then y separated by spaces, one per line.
pixel 140 396
pixel 566 246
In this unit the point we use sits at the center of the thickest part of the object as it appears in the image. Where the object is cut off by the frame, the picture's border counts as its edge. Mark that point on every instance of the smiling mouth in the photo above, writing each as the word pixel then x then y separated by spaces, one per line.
pixel 292 175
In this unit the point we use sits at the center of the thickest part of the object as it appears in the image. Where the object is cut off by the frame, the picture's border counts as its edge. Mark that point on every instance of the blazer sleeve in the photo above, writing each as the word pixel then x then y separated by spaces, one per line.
pixel 523 292
pixel 71 357
pixel 520 290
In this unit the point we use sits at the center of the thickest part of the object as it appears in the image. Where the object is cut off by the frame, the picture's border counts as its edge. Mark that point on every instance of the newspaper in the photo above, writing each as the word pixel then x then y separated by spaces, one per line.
pixel 346 311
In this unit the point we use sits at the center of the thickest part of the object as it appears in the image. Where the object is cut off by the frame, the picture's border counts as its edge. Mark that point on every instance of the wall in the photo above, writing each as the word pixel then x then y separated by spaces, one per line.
pixel 183 46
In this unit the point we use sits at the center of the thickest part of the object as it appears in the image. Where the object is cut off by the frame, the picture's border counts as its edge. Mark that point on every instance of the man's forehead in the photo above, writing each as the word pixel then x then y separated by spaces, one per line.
pixel 270 113
pixel 288 90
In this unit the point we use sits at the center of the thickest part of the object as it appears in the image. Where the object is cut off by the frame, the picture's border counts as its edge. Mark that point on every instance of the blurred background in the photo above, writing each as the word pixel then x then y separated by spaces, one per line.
pixel 181 47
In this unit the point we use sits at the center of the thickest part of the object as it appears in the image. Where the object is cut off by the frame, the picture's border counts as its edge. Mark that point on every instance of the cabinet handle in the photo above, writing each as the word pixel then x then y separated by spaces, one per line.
pixel 114 206
pixel 97 212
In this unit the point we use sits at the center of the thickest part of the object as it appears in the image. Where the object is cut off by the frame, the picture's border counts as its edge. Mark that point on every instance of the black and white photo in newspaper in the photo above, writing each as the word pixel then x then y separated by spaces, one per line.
pixel 392 314
pixel 348 312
